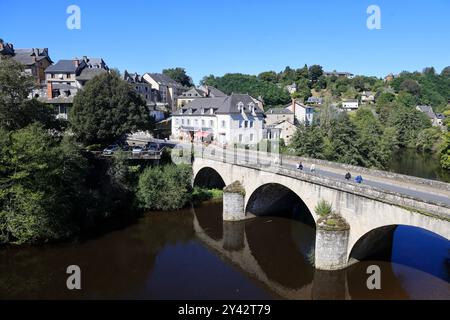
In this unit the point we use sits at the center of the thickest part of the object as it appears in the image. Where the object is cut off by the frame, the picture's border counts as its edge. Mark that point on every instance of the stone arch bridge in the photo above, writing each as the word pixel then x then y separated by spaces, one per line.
pixel 382 202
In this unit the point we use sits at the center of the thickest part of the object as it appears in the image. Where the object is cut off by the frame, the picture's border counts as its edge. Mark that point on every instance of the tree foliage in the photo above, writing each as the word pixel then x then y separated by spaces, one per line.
pixel 179 75
pixel 164 188
pixel 106 109
pixel 254 86
pixel 16 110
pixel 41 183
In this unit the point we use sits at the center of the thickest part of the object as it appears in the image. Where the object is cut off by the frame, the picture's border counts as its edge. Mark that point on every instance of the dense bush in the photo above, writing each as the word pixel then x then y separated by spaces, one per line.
pixel 164 188
pixel 41 186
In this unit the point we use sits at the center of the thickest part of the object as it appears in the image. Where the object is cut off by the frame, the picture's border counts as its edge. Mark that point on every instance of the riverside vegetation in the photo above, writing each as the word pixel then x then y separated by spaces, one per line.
pixel 51 187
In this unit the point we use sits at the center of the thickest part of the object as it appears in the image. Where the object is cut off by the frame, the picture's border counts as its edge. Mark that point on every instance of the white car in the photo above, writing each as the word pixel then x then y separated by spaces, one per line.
pixel 137 150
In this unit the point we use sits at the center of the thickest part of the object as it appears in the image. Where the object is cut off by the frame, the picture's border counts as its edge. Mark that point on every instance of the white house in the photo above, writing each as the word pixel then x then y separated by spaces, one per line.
pixel 224 120
pixel 303 114
pixel 367 97
pixel 351 104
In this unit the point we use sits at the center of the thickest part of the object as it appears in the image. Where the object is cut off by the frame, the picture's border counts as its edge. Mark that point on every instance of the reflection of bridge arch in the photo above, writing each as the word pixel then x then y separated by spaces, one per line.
pixel 270 245
pixel 235 248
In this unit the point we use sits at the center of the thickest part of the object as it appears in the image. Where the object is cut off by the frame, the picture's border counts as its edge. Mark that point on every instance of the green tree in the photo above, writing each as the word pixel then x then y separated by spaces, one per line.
pixel 428 139
pixel 410 86
pixel 164 188
pixel 408 123
pixel 41 183
pixel 445 73
pixel 315 72
pixel 344 141
pixel 373 146
pixel 308 141
pixel 268 76
pixel 179 75
pixel 16 110
pixel 272 94
pixel 106 109
pixel 445 152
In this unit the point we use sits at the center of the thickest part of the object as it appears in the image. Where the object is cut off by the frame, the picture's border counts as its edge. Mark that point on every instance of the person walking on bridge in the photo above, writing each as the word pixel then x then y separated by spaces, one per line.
pixel 348 176
pixel 313 168
pixel 358 179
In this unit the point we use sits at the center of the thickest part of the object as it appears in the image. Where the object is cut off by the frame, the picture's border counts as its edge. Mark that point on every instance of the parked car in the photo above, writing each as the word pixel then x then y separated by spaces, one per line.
pixel 152 147
pixel 111 149
pixel 137 150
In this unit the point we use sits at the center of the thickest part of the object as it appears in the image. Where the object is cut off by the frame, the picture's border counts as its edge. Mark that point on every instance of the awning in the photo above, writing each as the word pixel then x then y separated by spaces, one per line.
pixel 202 134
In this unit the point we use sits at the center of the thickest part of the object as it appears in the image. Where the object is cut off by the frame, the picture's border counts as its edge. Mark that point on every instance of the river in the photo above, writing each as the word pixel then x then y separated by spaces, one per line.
pixel 422 165
pixel 193 254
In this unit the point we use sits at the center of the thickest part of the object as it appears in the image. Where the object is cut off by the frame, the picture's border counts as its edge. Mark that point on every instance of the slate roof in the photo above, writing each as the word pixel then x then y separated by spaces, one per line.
pixel 164 80
pixel 89 73
pixel 279 111
pixel 133 77
pixel 202 92
pixel 220 105
pixel 68 66
pixel 26 56
pixel 428 110
pixel 62 66
pixel 192 93
pixel 214 92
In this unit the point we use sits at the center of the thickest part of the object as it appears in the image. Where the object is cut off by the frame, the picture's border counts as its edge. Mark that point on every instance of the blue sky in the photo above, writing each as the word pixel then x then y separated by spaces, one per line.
pixel 247 36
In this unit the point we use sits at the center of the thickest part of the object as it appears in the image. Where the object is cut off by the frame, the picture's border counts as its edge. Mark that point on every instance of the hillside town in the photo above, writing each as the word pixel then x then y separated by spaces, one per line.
pixel 202 114
pixel 242 150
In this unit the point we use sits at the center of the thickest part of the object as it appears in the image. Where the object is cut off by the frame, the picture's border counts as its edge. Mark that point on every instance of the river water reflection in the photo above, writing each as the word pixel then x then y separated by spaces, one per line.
pixel 193 254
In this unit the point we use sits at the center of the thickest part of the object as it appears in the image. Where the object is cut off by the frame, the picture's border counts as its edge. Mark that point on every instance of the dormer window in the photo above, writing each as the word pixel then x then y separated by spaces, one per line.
pixel 203 111
pixel 240 106
pixel 251 106
pixel 181 111
pixel 211 111
pixel 190 111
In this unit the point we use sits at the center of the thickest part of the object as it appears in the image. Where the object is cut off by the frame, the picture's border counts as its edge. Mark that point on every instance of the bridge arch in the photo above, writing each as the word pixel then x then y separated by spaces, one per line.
pixel 210 178
pixel 377 243
pixel 275 198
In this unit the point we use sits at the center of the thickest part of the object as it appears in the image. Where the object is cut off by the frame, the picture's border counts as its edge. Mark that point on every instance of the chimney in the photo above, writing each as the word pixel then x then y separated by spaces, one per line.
pixel 76 62
pixel 33 54
pixel 293 106
pixel 49 90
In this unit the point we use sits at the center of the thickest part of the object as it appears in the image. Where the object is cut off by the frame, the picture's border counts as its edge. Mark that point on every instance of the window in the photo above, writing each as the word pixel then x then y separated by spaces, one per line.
pixel 211 123
pixel 240 138
pixel 182 121
pixel 251 124
pixel 240 106
pixel 251 137
pixel 245 124
pixel 203 123
pixel 196 122
pixel 224 124
pixel 68 75
pixel 188 122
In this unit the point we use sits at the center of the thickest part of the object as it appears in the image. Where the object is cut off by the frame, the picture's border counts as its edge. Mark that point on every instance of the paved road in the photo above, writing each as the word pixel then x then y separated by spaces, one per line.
pixel 427 194
pixel 410 189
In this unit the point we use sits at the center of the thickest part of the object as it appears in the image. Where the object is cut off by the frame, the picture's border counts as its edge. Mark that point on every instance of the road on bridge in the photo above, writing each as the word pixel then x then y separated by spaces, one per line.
pixel 423 192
